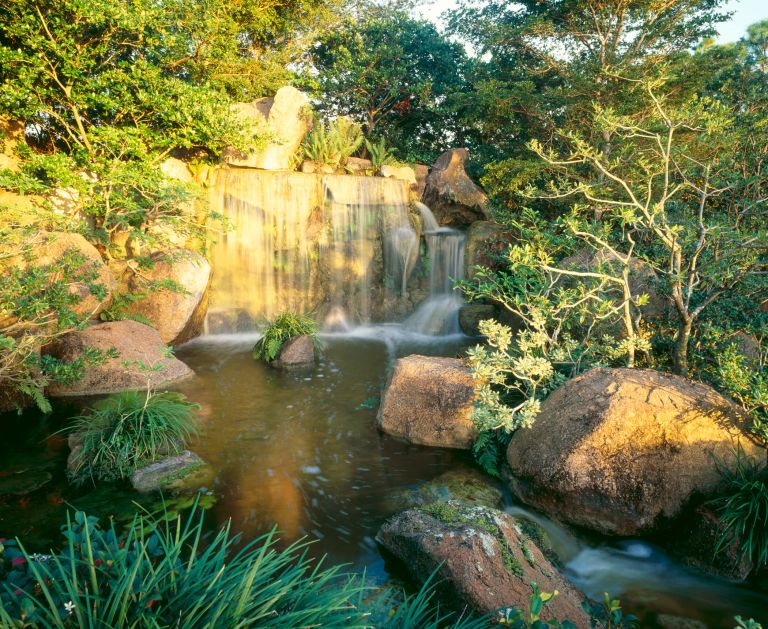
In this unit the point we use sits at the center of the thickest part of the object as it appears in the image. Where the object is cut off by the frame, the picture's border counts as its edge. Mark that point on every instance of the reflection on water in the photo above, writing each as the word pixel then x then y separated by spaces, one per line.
pixel 300 449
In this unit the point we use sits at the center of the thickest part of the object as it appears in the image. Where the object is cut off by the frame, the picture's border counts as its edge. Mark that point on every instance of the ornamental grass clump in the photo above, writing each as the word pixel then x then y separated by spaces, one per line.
pixel 744 509
pixel 128 430
pixel 286 326
pixel 165 574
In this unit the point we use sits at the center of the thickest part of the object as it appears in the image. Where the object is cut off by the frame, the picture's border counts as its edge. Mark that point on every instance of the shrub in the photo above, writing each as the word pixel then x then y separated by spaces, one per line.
pixel 286 326
pixel 744 509
pixel 129 429
pixel 332 143
pixel 379 153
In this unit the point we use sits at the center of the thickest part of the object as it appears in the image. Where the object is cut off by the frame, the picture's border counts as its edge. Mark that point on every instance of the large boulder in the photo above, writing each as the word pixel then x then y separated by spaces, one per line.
pixel 487 245
pixel 429 400
pixel 174 294
pixel 94 282
pixel 482 557
pixel 623 450
pixel 451 195
pixel 142 359
pixel 285 118
pixel 422 172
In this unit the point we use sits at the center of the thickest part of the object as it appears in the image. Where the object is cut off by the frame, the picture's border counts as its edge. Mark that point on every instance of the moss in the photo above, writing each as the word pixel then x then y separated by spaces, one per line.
pixel 534 532
pixel 449 514
pixel 527 552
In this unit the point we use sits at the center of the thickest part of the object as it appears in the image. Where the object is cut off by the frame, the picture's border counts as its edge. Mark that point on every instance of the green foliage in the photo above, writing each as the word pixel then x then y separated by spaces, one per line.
pixel 331 143
pixel 531 618
pixel 127 430
pixel 608 614
pixel 379 153
pixel 283 328
pixel 38 303
pixel 395 75
pixel 116 311
pixel 168 572
pixel 747 624
pixel 490 450
pixel 744 508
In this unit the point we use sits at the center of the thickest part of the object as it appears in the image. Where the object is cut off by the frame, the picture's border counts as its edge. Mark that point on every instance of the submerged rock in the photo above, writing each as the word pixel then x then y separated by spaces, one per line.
pixel 297 352
pixel 623 450
pixel 23 482
pixel 142 359
pixel 465 484
pixel 451 195
pixel 428 400
pixel 482 557
pixel 285 117
pixel 179 473
pixel 176 312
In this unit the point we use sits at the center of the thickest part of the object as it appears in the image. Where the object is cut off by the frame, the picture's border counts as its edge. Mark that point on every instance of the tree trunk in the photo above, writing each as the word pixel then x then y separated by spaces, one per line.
pixel 680 352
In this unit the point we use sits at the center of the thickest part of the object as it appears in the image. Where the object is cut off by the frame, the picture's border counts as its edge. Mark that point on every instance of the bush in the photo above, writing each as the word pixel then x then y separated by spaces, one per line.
pixel 164 574
pixel 332 143
pixel 744 509
pixel 129 429
pixel 283 328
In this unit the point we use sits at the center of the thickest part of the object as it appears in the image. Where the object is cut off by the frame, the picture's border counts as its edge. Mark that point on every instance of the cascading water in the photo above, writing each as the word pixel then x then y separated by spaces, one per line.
pixel 331 244
pixel 439 313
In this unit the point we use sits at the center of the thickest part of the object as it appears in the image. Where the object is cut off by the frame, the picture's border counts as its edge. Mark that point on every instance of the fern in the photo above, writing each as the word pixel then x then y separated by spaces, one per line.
pixel 489 450
pixel 379 153
pixel 332 143
pixel 282 329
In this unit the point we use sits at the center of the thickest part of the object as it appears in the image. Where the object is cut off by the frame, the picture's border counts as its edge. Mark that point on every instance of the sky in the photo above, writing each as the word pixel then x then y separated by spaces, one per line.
pixel 745 12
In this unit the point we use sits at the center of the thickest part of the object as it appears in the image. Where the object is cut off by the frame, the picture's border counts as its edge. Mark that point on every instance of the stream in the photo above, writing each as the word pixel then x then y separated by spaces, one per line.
pixel 300 449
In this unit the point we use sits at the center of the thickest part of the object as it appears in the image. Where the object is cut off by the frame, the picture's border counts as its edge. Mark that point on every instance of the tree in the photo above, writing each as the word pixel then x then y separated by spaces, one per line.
pixel 395 75
pixel 541 65
pixel 660 190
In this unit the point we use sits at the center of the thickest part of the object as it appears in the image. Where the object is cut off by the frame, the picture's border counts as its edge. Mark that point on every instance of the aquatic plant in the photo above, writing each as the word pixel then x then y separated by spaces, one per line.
pixel 744 509
pixel 608 614
pixel 129 429
pixel 283 328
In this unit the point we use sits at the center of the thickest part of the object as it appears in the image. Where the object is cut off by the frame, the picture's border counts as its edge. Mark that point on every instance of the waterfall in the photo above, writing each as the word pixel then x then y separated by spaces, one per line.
pixel 439 313
pixel 333 245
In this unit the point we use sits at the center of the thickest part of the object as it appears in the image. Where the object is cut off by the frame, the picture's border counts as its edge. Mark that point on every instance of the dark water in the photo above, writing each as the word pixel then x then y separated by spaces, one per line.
pixel 301 450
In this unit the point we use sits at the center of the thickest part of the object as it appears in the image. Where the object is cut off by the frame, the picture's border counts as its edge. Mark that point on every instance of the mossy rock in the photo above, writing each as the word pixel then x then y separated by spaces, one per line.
pixel 183 473
pixel 465 483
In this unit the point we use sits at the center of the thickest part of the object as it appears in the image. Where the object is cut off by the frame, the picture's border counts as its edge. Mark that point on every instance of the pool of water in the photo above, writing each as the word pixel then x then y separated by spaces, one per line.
pixel 300 450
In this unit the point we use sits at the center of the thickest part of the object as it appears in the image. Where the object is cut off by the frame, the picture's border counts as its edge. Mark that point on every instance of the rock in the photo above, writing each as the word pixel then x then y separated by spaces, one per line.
pixel 285 117
pixel 178 315
pixel 452 196
pixel 136 344
pixel 465 484
pixel 51 249
pixel 623 450
pixel 697 540
pixel 482 559
pixel 748 346
pixel 357 164
pixel 23 482
pixel 297 352
pixel 11 134
pixel 470 316
pixel 182 472
pixel 406 173
pixel 174 168
pixel 487 245
pixel 421 171
pixel 228 320
pixel 668 621
pixel 429 400
pixel 643 280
